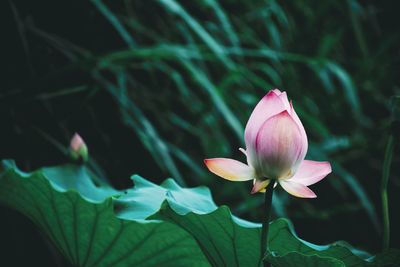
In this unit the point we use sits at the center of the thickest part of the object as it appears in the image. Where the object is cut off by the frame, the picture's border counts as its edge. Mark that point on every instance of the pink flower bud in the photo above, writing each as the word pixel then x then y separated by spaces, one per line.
pixel 276 145
pixel 276 141
pixel 78 148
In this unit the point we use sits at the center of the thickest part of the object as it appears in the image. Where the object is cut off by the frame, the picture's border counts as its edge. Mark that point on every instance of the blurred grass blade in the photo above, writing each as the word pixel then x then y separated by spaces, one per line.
pixel 225 23
pixel 218 101
pixel 348 87
pixel 145 130
pixel 177 9
pixel 354 8
pixel 352 183
pixel 22 34
pixel 62 92
pixel 70 50
pixel 387 162
pixel 357 188
pixel 115 22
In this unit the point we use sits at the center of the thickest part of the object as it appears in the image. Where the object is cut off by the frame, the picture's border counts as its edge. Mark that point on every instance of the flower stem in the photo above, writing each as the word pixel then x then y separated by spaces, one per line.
pixel 384 196
pixel 266 217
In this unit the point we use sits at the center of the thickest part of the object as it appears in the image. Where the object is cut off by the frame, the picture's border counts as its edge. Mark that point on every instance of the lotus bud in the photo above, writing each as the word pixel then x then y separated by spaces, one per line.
pixel 78 148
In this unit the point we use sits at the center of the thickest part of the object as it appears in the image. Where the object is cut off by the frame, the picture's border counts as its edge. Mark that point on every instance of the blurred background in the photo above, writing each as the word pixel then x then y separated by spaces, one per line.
pixel 154 87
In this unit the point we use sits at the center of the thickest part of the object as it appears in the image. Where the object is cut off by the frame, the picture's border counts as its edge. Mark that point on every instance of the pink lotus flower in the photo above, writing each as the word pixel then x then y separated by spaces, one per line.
pixel 276 144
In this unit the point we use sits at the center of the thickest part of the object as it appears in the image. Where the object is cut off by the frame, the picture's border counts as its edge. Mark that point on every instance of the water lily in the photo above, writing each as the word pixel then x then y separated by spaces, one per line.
pixel 276 145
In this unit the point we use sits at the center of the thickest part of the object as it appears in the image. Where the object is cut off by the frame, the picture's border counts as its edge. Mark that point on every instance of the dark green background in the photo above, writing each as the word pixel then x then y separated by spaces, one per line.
pixel 338 61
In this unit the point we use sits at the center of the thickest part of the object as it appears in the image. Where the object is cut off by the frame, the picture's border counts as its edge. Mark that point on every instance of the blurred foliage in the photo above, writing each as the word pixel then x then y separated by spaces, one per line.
pixel 154 87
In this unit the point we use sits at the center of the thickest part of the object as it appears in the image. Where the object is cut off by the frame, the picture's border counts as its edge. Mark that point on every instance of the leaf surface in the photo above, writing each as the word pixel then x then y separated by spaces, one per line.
pixel 156 225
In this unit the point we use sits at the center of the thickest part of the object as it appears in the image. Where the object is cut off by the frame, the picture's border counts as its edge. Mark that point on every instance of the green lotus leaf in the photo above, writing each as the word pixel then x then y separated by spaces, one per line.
pixel 79 219
pixel 93 224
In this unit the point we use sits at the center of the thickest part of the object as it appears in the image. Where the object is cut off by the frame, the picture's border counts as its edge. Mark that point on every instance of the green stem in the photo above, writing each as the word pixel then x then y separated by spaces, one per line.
pixel 266 217
pixel 384 196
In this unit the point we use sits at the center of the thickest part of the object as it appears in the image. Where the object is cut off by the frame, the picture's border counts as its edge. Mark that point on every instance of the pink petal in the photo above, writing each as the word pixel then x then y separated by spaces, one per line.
pixel 279 147
pixel 230 169
pixel 301 127
pixel 259 185
pixel 76 142
pixel 269 105
pixel 277 91
pixel 284 99
pixel 296 189
pixel 310 172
